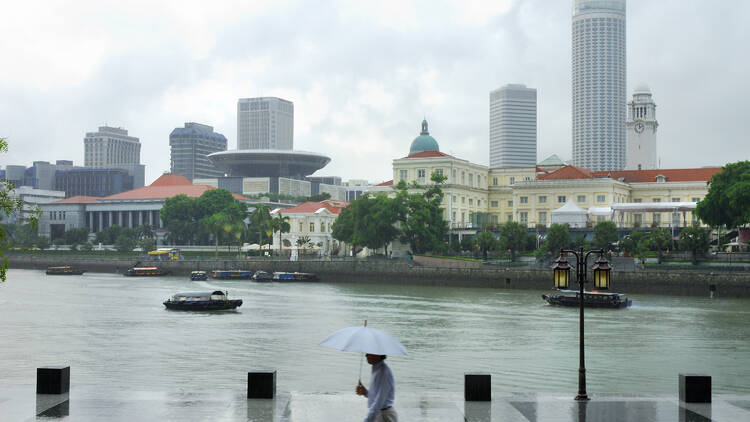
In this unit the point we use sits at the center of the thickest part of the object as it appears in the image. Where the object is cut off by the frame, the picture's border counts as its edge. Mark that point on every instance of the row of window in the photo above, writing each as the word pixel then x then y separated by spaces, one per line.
pixel 312 227
pixel 57 215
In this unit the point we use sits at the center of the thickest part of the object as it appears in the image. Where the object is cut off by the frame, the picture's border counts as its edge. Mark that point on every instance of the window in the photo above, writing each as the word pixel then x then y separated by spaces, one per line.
pixel 463 199
pixel 601 198
pixel 471 180
pixel 439 172
pixel 479 202
pixel 543 199
pixel 560 199
pixel 454 198
pixel 301 227
pixel 312 227
pixel 638 219
pixel 509 217
pixel 493 204
pixel 479 180
pixel 463 178
pixel 471 201
pixel 637 200
pixel 527 178
pixel 510 203
pixel 523 217
pixel 454 175
pixel 656 218
pixel 494 181
pixel 421 174
pixel 403 175
pixel 512 180
pixel 656 200
pixel 581 198
pixel 543 217
pixel 524 199
pixel 695 199
pixel 453 217
pixel 322 227
pixel 675 199
pixel 463 217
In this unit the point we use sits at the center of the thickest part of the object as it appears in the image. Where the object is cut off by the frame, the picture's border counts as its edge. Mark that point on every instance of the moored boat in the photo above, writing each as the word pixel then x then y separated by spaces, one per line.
pixel 262 276
pixel 64 270
pixel 590 299
pixel 145 272
pixel 198 276
pixel 283 276
pixel 232 274
pixel 202 301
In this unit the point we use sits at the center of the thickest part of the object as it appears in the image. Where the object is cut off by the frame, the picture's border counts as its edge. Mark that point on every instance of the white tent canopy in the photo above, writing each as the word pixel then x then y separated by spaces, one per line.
pixel 653 206
pixel 570 214
pixel 600 211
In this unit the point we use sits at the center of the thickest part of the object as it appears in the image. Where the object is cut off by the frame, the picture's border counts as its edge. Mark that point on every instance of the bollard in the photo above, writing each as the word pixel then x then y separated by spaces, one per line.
pixel 477 387
pixel 261 384
pixel 695 388
pixel 53 380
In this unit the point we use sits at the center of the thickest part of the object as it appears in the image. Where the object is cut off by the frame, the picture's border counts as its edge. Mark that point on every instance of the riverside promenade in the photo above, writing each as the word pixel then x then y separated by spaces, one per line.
pixel 20 403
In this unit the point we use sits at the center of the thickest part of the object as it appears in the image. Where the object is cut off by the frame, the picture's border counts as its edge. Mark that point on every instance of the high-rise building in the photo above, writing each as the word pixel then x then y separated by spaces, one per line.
pixel 513 127
pixel 110 146
pixel 189 149
pixel 599 66
pixel 265 123
pixel 641 131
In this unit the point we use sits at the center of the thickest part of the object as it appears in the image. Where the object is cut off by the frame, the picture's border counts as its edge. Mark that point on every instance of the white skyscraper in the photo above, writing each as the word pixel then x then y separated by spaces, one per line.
pixel 513 127
pixel 110 146
pixel 599 96
pixel 265 123
pixel 641 130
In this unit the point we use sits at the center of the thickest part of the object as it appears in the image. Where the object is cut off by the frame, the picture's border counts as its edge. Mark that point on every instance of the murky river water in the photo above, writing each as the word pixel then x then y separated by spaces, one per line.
pixel 114 330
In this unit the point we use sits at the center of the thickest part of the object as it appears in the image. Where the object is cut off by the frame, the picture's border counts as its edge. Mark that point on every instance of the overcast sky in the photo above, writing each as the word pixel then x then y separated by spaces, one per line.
pixel 362 75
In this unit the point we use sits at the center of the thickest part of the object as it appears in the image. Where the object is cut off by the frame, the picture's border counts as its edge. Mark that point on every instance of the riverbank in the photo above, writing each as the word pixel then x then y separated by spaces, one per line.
pixel 400 272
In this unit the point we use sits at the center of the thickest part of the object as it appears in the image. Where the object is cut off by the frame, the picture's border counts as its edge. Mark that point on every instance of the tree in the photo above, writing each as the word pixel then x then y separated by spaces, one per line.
pixel 422 222
pixel 513 237
pixel 124 243
pixel 260 222
pixel 728 200
pixel 487 242
pixel 147 244
pixel 303 242
pixel 280 223
pixel 695 240
pixel 558 237
pixel 605 234
pixel 661 240
pixel 179 216
pixel 635 244
pixel 215 224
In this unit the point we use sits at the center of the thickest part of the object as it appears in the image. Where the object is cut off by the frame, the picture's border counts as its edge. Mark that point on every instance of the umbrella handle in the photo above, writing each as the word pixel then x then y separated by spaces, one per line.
pixel 360 367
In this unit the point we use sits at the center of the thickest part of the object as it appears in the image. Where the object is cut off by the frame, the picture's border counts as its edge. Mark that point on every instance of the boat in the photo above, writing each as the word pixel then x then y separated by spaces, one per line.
pixel 145 272
pixel 232 274
pixel 202 301
pixel 592 299
pixel 198 276
pixel 262 276
pixel 282 276
pixel 64 270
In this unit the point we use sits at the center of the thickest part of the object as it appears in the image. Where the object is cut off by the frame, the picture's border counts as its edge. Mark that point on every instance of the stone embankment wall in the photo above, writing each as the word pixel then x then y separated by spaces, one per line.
pixel 667 282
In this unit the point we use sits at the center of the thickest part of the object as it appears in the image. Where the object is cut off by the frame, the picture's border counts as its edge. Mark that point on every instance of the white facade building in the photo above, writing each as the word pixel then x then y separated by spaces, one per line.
pixel 513 126
pixel 599 78
pixel 111 146
pixel 265 123
pixel 641 130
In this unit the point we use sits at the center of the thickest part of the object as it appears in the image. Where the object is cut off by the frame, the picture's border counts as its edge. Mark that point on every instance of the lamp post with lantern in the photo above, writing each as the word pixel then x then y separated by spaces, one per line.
pixel 561 278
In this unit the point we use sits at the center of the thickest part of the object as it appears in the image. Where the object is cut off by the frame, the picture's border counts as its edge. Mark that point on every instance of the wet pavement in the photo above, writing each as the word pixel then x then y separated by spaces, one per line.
pixel 21 403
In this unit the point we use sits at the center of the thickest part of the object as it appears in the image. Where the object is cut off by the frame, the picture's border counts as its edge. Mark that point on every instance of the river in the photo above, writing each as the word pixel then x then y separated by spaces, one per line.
pixel 114 330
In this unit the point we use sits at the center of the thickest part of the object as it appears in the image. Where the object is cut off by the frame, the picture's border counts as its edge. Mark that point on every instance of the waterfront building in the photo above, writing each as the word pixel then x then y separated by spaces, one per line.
pixel 641 131
pixel 111 147
pixel 598 79
pixel 31 199
pixel 513 126
pixel 190 147
pixel 79 181
pixel 311 219
pixel 265 123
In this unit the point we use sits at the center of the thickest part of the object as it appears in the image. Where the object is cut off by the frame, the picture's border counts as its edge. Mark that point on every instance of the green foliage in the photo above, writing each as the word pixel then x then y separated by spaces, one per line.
pixel 124 243
pixel 368 221
pixel 180 218
pixel 88 247
pixel 147 244
pixel 280 223
pixel 558 237
pixel 512 236
pixel 79 235
pixel 660 240
pixel 694 239
pixel 487 242
pixel 422 223
pixel 43 242
pixel 260 227
pixel 728 200
pixel 605 234
pixel 186 219
pixel 635 244
pixel 467 243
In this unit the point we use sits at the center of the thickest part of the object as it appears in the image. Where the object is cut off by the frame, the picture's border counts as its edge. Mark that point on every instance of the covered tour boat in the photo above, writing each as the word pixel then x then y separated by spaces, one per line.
pixel 232 274
pixel 262 276
pixel 282 276
pixel 198 276
pixel 65 270
pixel 202 301
pixel 145 272
pixel 593 299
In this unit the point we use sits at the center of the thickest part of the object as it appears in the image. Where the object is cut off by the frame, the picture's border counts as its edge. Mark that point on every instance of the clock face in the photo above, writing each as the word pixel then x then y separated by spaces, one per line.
pixel 639 127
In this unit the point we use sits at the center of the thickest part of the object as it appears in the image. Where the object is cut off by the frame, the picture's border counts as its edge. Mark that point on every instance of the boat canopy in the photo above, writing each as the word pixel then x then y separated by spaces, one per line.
pixel 200 294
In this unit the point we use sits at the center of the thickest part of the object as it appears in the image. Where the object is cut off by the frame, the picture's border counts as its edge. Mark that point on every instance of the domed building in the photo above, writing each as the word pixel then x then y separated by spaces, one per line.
pixel 423 142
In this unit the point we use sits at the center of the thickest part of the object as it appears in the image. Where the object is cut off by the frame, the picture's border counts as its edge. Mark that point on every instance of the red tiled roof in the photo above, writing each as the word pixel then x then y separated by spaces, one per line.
pixel 161 192
pixel 169 179
pixel 78 200
pixel 633 176
pixel 388 183
pixel 311 207
pixel 428 154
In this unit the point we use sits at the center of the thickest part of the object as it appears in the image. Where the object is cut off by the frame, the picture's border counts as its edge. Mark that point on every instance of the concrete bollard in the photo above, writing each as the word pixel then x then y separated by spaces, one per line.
pixel 53 380
pixel 261 384
pixel 695 388
pixel 477 387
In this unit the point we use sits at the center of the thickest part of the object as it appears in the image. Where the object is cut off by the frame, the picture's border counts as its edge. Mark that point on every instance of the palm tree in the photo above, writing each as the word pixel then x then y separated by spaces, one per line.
pixel 280 224
pixel 215 224
pixel 261 219
pixel 302 242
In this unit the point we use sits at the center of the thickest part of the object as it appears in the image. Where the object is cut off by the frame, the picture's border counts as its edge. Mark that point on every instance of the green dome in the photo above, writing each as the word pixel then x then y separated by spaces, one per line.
pixel 423 142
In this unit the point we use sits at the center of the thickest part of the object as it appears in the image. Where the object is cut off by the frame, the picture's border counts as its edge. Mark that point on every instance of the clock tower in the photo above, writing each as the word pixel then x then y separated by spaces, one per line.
pixel 641 131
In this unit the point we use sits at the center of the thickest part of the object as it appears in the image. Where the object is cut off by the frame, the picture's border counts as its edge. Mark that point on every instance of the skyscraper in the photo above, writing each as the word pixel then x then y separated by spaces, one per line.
pixel 599 66
pixel 111 146
pixel 513 127
pixel 190 146
pixel 265 123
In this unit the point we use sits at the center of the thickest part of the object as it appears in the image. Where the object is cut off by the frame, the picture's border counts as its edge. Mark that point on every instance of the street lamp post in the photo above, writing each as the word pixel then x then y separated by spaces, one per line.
pixel 601 281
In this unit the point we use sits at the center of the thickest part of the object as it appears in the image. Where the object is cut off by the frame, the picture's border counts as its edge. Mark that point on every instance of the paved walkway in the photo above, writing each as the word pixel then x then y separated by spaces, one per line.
pixel 20 403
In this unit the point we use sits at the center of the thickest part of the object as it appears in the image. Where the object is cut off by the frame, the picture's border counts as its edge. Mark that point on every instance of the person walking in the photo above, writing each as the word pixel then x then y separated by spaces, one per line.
pixel 381 392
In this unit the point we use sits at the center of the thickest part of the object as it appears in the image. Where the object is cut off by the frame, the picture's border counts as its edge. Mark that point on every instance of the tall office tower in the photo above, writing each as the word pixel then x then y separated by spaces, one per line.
pixel 111 146
pixel 265 123
pixel 190 146
pixel 641 130
pixel 513 127
pixel 599 96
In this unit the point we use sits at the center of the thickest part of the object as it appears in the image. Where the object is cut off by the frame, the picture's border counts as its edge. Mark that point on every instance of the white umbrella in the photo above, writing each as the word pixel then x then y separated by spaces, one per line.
pixel 364 340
